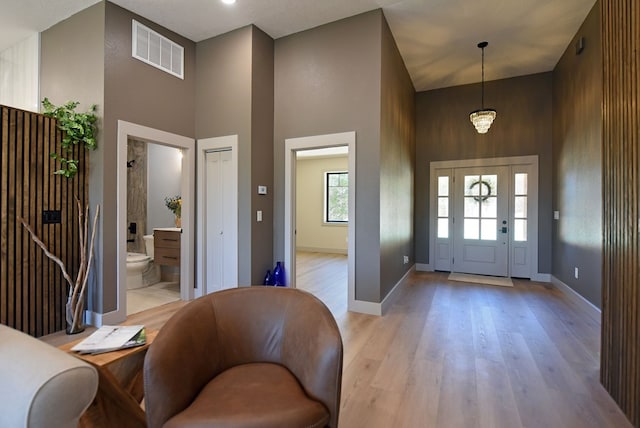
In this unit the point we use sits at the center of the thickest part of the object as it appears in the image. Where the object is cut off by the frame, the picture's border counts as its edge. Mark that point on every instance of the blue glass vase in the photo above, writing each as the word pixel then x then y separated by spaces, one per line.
pixel 278 275
pixel 268 279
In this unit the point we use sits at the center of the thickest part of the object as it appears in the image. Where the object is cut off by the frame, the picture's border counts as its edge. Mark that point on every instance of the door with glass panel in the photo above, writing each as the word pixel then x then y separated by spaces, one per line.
pixel 481 221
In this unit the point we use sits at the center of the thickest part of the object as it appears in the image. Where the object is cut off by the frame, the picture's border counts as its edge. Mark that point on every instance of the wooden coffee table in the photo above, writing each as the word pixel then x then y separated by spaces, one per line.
pixel 120 387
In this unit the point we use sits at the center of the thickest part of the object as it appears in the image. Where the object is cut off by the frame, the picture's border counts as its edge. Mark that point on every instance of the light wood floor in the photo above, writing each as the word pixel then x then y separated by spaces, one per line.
pixel 450 354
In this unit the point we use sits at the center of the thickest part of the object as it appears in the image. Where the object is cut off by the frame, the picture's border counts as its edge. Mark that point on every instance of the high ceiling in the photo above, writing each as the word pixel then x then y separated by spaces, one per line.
pixel 437 38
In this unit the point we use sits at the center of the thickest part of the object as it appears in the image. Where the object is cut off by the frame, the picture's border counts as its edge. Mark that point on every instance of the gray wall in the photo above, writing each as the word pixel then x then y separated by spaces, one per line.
pixel 577 163
pixel 397 161
pixel 523 127
pixel 262 69
pixel 141 94
pixel 327 80
pixel 235 96
pixel 72 68
pixel 88 58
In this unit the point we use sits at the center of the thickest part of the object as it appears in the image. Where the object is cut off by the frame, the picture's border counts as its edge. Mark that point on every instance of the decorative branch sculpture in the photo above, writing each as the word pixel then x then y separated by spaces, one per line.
pixel 75 300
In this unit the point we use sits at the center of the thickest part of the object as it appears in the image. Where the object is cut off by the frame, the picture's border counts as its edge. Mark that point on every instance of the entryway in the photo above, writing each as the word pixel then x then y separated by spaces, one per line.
pixel 484 216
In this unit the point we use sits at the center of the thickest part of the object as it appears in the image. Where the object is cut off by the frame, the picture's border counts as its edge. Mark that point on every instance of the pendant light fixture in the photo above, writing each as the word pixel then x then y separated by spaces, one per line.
pixel 483 118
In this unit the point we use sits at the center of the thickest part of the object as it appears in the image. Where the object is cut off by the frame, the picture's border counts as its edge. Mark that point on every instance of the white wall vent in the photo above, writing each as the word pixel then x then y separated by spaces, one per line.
pixel 156 50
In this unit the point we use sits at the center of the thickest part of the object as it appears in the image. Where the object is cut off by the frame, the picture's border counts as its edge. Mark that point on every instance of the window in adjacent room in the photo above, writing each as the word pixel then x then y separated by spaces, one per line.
pixel 336 197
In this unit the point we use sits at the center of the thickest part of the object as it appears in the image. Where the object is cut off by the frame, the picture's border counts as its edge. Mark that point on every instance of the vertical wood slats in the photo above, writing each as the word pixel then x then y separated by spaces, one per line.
pixel 32 290
pixel 620 356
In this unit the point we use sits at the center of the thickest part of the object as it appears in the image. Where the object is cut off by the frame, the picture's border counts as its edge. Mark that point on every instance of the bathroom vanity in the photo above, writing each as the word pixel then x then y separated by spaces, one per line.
pixel 166 246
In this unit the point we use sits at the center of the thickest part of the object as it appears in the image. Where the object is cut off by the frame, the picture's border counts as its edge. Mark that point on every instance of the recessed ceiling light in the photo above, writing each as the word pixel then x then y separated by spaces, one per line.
pixel 228 1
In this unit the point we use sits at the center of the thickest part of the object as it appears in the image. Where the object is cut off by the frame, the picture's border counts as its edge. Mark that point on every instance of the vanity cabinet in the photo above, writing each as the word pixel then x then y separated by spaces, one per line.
pixel 166 247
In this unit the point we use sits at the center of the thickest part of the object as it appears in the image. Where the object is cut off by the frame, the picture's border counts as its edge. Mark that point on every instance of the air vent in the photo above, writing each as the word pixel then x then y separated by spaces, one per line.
pixel 156 50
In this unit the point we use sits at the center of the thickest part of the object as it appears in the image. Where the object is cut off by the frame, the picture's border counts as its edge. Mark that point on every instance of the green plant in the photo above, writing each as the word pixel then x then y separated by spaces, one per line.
pixel 77 128
pixel 174 204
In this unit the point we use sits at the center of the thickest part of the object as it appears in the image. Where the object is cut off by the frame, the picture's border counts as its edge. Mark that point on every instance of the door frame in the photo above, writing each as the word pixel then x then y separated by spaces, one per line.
pixel 228 142
pixel 516 163
pixel 292 145
pixel 128 130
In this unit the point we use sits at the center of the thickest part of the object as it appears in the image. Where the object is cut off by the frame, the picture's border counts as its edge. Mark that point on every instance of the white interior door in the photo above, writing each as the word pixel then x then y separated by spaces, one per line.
pixel 481 221
pixel 220 269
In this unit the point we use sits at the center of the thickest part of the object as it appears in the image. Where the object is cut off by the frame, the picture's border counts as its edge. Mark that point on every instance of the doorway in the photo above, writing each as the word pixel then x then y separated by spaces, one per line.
pixel 127 131
pixel 217 228
pixel 484 216
pixel 292 147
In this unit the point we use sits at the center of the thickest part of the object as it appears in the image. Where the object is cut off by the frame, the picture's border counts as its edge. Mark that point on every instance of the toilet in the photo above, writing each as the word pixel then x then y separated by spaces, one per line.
pixel 141 271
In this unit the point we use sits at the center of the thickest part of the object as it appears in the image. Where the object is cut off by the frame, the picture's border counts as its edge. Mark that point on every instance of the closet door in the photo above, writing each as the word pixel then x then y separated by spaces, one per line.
pixel 220 258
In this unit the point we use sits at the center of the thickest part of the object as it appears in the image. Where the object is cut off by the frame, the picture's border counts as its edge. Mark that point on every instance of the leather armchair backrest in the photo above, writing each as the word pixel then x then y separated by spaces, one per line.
pixel 250 324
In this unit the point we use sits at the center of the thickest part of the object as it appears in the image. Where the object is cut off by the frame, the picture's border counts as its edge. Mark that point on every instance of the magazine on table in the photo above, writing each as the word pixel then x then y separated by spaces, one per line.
pixel 112 338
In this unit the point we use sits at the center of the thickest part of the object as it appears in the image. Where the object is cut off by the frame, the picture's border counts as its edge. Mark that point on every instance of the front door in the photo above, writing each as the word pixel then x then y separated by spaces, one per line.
pixel 481 220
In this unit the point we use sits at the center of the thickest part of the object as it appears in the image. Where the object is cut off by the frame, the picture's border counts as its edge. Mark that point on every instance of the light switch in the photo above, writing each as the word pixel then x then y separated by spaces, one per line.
pixel 556 215
pixel 259 215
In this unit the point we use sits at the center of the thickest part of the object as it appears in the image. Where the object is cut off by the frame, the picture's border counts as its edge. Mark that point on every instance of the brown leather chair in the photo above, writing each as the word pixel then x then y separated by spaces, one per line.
pixel 246 357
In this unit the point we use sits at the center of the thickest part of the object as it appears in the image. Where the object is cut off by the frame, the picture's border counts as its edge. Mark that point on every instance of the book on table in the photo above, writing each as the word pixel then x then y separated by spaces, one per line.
pixel 112 338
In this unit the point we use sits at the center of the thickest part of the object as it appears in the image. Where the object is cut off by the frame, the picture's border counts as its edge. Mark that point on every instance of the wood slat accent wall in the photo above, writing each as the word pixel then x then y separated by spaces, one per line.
pixel 620 365
pixel 32 289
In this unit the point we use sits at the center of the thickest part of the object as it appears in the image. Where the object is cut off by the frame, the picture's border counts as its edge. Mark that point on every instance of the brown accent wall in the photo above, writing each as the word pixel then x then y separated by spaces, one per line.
pixel 620 361
pixel 397 161
pixel 235 96
pixel 577 163
pixel 33 291
pixel 522 127
pixel 327 80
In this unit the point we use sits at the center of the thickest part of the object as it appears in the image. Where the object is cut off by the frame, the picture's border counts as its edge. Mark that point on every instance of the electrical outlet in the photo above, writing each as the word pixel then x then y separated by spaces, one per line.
pixel 51 217
pixel 575 273
pixel 405 259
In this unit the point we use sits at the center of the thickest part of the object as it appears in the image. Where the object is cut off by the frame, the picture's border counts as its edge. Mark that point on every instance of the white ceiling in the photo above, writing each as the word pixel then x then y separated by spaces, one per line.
pixel 437 38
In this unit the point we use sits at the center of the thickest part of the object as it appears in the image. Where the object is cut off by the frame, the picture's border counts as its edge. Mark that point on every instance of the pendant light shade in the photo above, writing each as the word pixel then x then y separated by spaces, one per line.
pixel 483 118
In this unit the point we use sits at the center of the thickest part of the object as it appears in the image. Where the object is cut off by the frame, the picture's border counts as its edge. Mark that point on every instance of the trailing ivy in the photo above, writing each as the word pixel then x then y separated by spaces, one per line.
pixel 77 128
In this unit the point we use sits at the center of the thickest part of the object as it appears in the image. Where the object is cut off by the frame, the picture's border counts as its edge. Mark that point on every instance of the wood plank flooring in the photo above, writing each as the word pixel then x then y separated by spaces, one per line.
pixel 450 354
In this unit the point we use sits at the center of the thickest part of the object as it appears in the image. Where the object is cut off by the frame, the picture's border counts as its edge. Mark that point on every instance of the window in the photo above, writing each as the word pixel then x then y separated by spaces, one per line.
pixel 520 208
pixel 481 207
pixel 336 197
pixel 443 207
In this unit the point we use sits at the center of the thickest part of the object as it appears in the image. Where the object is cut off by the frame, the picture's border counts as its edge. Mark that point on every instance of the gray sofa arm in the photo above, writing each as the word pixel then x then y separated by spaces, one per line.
pixel 41 385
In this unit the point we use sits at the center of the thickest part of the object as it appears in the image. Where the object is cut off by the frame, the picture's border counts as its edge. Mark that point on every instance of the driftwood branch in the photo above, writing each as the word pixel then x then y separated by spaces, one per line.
pixel 75 300
pixel 52 256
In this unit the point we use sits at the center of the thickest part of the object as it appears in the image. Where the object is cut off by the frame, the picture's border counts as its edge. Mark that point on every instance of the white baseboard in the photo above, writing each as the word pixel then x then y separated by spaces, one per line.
pixel 577 298
pixel 323 250
pixel 364 307
pixel 391 296
pixel 372 308
pixel 541 277
pixel 424 267
pixel 98 320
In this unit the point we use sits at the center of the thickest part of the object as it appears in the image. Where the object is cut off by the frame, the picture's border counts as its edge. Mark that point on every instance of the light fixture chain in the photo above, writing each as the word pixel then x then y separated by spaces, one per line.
pixel 483 78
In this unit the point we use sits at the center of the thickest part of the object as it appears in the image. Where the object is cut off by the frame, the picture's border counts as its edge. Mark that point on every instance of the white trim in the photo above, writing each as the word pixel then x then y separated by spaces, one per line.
pixel 372 308
pixel 203 146
pixel 318 141
pixel 323 250
pixel 143 133
pixel 541 277
pixel 424 267
pixel 577 298
pixel 395 291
